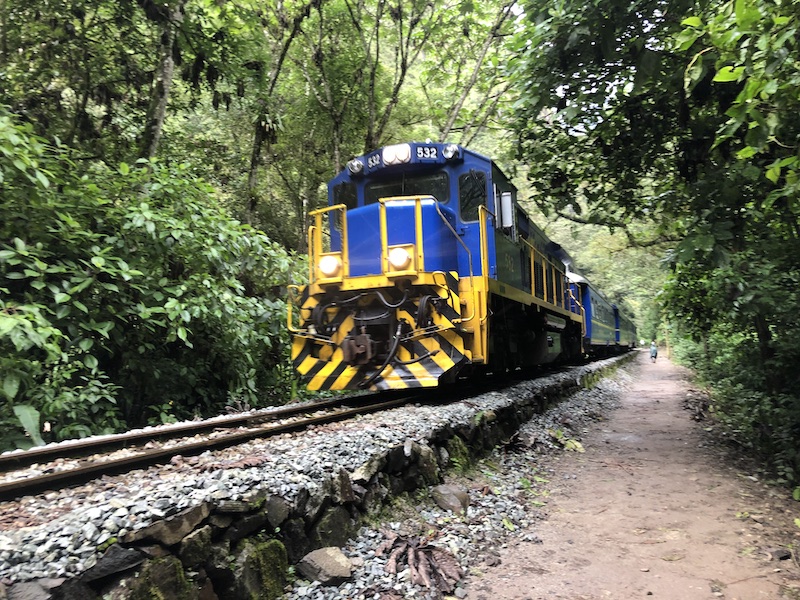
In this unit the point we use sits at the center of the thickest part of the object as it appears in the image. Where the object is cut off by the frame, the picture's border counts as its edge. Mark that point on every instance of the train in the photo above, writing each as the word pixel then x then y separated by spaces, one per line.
pixel 424 270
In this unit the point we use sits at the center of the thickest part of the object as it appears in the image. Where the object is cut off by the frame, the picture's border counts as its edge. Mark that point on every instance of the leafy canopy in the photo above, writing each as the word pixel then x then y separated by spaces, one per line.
pixel 685 115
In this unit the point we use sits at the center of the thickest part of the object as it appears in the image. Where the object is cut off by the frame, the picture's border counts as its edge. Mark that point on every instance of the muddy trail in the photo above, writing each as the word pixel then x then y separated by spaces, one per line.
pixel 653 509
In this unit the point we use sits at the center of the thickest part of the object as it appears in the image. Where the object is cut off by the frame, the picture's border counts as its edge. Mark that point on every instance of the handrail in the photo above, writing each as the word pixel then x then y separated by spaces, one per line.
pixel 582 309
pixel 292 289
pixel 419 257
pixel 469 260
pixel 315 238
pixel 483 213
pixel 311 233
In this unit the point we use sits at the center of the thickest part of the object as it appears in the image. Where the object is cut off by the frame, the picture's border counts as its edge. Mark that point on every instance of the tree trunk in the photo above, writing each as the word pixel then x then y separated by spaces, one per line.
pixel 252 176
pixel 494 32
pixel 766 352
pixel 260 134
pixel 3 29
pixel 162 83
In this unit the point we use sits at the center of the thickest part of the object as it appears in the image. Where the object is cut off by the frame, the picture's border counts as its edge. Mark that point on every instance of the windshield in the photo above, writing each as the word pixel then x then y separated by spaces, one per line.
pixel 427 184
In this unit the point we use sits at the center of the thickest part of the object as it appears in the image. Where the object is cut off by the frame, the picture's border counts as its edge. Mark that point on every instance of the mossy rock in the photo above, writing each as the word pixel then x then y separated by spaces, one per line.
pixel 458 451
pixel 196 547
pixel 161 579
pixel 273 565
pixel 428 466
pixel 295 539
pixel 592 379
pixel 259 571
pixel 334 528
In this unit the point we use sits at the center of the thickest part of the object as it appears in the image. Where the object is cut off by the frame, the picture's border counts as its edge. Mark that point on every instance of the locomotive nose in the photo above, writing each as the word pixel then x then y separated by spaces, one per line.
pixel 383 311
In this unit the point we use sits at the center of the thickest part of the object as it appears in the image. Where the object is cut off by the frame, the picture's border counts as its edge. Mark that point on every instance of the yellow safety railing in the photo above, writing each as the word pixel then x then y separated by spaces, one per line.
pixel 480 339
pixel 581 308
pixel 315 230
pixel 418 263
pixel 293 290
pixel 483 219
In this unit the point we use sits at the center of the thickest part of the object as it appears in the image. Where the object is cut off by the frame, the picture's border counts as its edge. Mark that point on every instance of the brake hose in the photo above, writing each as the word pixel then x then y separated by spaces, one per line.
pixel 422 310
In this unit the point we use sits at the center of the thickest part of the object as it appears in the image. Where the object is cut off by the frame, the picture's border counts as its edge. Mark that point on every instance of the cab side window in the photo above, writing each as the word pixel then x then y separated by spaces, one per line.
pixel 345 193
pixel 471 194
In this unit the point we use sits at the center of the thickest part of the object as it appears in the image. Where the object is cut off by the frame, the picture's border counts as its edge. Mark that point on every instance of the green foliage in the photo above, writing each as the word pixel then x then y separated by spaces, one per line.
pixel 566 442
pixel 508 524
pixel 687 118
pixel 98 102
pixel 758 406
pixel 266 99
pixel 29 418
pixel 747 45
pixel 129 295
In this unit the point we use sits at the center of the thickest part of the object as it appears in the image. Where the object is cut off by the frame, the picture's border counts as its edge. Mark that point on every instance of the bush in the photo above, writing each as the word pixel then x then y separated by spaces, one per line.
pixel 130 296
pixel 756 414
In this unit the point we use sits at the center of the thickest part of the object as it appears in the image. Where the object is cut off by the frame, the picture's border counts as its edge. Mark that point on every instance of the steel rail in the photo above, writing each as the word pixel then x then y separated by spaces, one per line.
pixel 16 488
pixel 70 449
pixel 94 468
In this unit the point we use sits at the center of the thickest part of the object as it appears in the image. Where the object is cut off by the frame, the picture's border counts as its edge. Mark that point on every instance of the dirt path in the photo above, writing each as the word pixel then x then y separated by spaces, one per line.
pixel 651 511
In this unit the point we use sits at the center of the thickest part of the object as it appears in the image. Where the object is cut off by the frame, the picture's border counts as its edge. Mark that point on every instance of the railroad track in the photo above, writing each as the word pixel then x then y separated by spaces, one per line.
pixel 70 463
pixel 62 465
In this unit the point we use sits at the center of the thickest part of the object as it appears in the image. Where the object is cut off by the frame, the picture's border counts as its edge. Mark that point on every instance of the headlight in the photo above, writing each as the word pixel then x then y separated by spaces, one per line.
pixel 329 265
pixel 399 258
pixel 355 166
pixel 397 154
pixel 450 151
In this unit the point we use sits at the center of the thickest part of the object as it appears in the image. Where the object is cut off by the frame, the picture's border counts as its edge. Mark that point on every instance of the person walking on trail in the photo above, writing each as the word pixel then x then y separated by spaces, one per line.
pixel 653 351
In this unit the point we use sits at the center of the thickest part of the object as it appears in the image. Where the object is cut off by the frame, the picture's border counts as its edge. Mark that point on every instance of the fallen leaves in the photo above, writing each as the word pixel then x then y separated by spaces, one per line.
pixel 569 444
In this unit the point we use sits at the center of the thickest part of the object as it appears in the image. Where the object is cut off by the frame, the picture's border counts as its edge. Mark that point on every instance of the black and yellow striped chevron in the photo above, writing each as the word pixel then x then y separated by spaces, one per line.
pixel 424 355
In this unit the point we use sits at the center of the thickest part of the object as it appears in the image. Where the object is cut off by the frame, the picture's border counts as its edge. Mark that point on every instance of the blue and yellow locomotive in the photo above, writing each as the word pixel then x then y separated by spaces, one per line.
pixel 424 267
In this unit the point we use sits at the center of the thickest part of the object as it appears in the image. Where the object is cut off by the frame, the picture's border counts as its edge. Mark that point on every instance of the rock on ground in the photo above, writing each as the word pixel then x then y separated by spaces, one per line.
pixel 329 566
